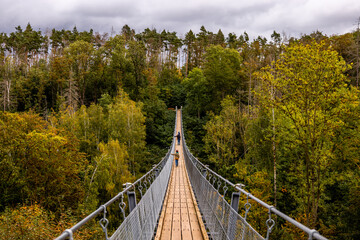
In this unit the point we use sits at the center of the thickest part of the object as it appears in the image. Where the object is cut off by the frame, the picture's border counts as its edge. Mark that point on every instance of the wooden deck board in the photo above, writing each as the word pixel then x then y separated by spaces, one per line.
pixel 180 216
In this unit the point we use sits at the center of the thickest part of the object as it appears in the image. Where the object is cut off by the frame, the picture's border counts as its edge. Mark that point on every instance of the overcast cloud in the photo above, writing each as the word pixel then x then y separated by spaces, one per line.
pixel 257 17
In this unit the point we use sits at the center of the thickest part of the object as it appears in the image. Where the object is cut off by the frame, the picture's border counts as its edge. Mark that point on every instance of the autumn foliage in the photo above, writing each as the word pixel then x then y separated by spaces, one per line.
pixel 82 113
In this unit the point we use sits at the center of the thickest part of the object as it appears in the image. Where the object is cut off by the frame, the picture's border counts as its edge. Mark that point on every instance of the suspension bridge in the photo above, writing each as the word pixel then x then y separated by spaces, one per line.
pixel 186 202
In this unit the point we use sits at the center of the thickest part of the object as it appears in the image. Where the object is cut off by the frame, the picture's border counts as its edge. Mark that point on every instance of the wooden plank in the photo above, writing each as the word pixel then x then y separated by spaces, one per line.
pixel 176 224
pixel 165 221
pixel 198 227
pixel 185 220
pixel 185 224
pixel 180 215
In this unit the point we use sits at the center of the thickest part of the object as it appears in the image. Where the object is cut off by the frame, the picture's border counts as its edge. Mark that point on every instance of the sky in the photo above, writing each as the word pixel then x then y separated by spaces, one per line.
pixel 257 17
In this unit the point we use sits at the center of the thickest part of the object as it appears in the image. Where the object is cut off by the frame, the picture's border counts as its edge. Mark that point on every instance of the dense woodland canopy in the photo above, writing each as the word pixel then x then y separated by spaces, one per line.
pixel 82 113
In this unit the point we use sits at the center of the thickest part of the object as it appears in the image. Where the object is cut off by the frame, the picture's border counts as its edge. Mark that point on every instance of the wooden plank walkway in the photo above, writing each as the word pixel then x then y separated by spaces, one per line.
pixel 180 217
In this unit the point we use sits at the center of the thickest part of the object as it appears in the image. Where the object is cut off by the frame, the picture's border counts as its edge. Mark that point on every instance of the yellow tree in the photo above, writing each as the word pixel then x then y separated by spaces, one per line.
pixel 307 87
pixel 114 159
pixel 109 172
pixel 126 123
pixel 39 163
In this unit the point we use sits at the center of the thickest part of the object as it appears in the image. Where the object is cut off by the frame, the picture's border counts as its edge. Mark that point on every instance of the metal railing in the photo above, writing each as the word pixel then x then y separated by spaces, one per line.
pixel 141 221
pixel 222 218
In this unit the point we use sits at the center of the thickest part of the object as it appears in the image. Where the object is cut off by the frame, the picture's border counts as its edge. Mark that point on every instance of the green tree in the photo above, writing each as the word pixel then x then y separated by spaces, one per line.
pixel 222 70
pixel 310 91
pixel 25 44
pixel 219 39
pixel 80 54
pixel 189 42
pixel 221 134
pixel 232 41
pixel 136 57
pixel 154 110
pixel 31 89
pixel 197 92
pixel 91 128
pixel 59 83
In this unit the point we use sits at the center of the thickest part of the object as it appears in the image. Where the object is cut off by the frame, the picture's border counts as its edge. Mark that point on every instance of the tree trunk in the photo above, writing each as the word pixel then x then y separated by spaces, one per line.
pixel 249 97
pixel 187 62
pixel 357 52
pixel 274 158
pixel 307 169
pixel 274 143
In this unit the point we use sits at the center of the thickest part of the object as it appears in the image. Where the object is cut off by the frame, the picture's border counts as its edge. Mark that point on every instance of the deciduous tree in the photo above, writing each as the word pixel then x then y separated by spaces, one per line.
pixel 311 92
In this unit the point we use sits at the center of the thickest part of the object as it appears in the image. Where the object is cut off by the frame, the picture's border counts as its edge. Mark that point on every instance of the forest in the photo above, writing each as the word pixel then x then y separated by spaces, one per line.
pixel 83 112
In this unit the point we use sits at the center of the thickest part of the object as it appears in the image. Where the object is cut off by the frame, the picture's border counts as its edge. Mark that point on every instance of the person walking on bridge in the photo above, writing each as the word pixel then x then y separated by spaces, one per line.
pixel 177 156
pixel 178 137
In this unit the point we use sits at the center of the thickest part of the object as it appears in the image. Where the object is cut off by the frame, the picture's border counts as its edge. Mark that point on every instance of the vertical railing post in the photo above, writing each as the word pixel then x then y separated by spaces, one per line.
pixel 132 204
pixel 204 171
pixel 132 200
pixel 131 197
pixel 156 171
pixel 235 198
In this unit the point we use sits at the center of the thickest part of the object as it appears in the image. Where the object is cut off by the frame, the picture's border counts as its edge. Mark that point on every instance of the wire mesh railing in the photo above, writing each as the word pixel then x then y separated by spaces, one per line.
pixel 221 218
pixel 141 221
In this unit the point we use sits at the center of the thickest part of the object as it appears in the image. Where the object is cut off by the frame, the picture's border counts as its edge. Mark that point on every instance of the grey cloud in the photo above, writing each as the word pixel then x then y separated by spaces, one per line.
pixel 105 10
pixel 229 19
pixel 259 17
